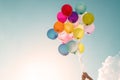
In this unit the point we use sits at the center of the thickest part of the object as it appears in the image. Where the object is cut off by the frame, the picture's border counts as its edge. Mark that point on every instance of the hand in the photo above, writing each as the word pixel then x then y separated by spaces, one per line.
pixel 85 75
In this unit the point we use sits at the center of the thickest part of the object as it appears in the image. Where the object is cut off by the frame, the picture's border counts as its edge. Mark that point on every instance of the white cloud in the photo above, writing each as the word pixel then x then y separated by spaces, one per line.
pixel 110 69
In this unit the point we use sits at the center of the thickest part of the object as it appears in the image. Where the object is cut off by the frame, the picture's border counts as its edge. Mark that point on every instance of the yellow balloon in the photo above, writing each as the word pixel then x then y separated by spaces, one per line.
pixel 68 27
pixel 81 47
pixel 80 26
pixel 78 33
pixel 88 18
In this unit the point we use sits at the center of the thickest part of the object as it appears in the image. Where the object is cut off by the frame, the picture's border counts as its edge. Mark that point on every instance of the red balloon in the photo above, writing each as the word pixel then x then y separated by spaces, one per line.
pixel 66 9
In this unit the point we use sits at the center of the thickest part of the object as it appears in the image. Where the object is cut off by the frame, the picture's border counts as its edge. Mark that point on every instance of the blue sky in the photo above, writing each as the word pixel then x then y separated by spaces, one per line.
pixel 24 23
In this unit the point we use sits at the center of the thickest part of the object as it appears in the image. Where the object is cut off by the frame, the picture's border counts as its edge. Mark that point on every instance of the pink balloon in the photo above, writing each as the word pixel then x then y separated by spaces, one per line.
pixel 78 21
pixel 89 29
pixel 62 18
pixel 64 37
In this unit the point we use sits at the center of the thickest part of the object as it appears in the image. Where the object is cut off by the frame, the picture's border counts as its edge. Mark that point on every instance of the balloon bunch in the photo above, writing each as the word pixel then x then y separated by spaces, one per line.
pixel 70 28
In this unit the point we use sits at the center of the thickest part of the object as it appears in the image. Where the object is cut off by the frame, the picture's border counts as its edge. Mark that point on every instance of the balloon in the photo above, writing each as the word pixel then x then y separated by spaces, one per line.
pixel 63 49
pixel 72 46
pixel 81 47
pixel 78 33
pixel 62 18
pixel 73 17
pixel 80 26
pixel 64 37
pixel 88 18
pixel 52 34
pixel 58 26
pixel 89 29
pixel 78 21
pixel 71 27
pixel 66 9
pixel 68 27
pixel 80 8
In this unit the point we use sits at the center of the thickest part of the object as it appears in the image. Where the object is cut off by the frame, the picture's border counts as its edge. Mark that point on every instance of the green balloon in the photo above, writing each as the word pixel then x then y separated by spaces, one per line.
pixel 88 18
pixel 72 46
pixel 80 8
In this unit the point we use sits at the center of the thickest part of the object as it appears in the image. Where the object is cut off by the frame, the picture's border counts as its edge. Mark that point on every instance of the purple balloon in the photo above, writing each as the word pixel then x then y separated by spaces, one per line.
pixel 73 17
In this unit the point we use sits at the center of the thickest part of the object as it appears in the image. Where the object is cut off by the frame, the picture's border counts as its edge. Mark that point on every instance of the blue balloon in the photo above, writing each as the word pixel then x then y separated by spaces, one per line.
pixel 80 8
pixel 63 49
pixel 52 34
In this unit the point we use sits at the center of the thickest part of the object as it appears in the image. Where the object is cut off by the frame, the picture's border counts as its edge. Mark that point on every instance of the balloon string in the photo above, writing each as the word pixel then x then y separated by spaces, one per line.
pixel 82 66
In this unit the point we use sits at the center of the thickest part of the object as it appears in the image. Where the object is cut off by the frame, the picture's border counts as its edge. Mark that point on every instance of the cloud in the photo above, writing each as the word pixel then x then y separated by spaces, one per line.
pixel 110 69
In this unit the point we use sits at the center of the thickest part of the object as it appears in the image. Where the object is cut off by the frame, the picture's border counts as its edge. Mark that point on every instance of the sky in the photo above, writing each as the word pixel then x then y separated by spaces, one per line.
pixel 25 48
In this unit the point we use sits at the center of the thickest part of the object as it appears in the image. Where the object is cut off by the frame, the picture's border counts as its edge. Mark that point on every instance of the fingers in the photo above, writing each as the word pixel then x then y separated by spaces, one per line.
pixel 85 75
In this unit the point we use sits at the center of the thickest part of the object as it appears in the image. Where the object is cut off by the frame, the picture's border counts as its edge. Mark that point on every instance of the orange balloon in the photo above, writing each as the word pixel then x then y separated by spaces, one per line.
pixel 58 26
